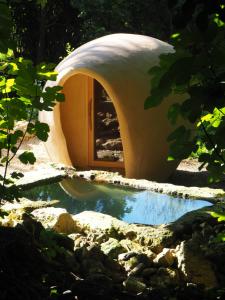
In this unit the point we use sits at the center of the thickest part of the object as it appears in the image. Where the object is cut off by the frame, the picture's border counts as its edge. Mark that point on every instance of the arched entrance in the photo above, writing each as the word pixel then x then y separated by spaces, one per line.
pixel 90 124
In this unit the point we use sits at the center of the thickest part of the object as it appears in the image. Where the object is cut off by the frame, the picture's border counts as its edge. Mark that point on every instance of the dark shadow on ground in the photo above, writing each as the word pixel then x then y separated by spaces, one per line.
pixel 194 178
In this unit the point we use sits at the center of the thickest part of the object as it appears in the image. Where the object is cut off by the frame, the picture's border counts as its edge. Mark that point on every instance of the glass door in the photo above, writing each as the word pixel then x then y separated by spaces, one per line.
pixel 106 148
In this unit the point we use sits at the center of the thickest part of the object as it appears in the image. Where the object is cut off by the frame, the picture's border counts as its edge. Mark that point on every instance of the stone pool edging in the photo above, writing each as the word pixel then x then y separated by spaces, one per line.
pixel 51 173
pixel 56 172
pixel 204 193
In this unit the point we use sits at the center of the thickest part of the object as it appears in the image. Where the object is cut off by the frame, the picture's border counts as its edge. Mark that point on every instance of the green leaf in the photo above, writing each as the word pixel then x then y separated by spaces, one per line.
pixel 13 68
pixel 174 68
pixel 14 137
pixel 3 136
pixel 220 237
pixel 170 158
pixel 17 175
pixel 3 124
pixel 25 100
pixel 3 66
pixel 173 112
pixel 4 159
pixel 218 21
pixel 42 3
pixel 178 133
pixel 27 157
pixel 60 97
pixel 53 292
pixel 219 216
pixel 180 150
pixel 205 157
pixel 41 130
pixel 47 75
pixel 175 35
pixel 14 149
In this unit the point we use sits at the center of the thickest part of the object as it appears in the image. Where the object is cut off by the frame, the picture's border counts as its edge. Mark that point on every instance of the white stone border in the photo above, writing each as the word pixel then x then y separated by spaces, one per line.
pixel 213 195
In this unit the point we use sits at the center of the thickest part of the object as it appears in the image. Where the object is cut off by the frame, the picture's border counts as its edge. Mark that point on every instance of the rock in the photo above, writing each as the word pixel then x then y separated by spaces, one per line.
pixel 165 258
pixel 150 254
pixel 112 265
pixel 131 263
pixel 92 266
pixel 71 261
pixel 74 236
pixel 101 279
pixel 134 285
pixel 112 248
pixel 127 255
pixel 12 219
pixel 100 238
pixel 171 273
pixel 46 174
pixel 194 267
pixel 148 272
pixel 136 270
pixel 94 252
pixel 110 122
pixel 90 220
pixel 165 277
pixel 64 241
pixel 155 238
pixel 56 218
pixel 130 245
pixel 27 205
pixel 131 234
pixel 80 241
pixel 66 224
pixel 215 251
pixel 143 258
pixel 113 144
pixel 99 142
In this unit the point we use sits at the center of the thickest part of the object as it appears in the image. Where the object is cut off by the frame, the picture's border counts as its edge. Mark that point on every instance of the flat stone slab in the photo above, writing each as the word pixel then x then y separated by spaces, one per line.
pixel 44 175
pixel 95 220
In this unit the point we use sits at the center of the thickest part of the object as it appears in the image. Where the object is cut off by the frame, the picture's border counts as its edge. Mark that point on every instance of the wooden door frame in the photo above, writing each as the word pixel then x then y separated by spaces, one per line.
pixel 92 162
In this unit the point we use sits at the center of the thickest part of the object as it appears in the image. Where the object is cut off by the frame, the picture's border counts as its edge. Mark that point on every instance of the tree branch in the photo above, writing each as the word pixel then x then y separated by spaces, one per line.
pixel 24 134
pixel 8 148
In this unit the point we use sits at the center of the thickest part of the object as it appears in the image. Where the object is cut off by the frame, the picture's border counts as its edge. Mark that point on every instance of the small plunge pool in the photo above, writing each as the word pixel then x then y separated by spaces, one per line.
pixel 127 204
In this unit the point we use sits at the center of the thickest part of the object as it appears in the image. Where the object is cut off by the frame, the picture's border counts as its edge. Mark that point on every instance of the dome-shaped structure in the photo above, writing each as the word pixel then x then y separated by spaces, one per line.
pixel 120 63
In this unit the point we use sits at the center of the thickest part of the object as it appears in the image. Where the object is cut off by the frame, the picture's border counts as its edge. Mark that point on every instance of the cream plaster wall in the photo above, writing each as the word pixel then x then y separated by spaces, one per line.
pixel 120 62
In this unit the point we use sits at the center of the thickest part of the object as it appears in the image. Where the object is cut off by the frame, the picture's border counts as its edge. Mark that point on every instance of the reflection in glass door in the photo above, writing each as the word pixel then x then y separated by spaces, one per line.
pixel 106 140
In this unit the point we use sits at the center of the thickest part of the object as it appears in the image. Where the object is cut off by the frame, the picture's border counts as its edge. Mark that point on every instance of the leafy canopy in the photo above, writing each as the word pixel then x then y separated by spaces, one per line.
pixel 21 96
pixel 196 69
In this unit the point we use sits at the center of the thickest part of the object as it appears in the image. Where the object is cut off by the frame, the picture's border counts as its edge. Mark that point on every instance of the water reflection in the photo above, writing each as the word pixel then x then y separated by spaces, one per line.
pixel 78 195
pixel 125 204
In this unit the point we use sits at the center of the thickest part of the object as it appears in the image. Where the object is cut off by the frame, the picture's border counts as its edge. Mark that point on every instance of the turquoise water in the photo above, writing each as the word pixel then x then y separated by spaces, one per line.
pixel 130 205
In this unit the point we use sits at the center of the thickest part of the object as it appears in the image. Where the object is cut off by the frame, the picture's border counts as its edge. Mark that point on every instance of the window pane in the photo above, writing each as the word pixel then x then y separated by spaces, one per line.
pixel 107 140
